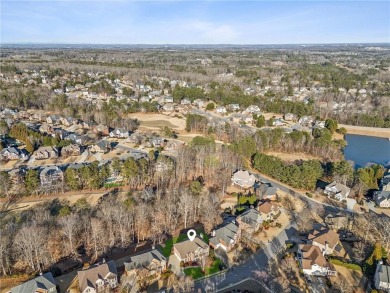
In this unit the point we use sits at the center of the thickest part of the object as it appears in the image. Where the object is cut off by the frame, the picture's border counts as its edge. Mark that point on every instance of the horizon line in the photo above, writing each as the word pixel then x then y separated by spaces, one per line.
pixel 194 44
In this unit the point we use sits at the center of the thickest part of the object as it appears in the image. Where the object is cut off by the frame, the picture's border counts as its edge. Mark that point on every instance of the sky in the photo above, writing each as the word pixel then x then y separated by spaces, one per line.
pixel 194 22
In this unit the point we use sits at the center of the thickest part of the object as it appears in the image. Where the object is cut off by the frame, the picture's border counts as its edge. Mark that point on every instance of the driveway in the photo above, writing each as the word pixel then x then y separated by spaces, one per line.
pixel 257 262
pixel 174 265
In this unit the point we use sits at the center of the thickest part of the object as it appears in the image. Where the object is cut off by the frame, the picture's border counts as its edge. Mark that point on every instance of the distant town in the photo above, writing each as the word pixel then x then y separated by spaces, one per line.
pixel 109 156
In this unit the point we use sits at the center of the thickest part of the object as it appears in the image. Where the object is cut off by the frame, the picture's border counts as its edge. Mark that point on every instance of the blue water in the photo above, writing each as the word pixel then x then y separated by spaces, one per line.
pixel 365 150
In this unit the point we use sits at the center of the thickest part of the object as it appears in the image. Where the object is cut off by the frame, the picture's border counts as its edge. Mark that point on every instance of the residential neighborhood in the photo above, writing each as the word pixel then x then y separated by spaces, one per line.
pixel 277 157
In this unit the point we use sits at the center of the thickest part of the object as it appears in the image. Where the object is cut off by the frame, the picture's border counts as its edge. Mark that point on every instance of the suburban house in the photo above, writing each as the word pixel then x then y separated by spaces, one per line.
pixel 98 277
pixel 147 264
pixel 191 251
pixel 44 283
pixel 71 150
pixel 75 138
pixel 119 133
pixel 234 107
pixel 102 130
pixel 173 145
pixel 313 262
pixel 68 121
pixel 221 110
pixel 102 146
pixel 250 221
pixel 199 103
pixel 327 240
pixel 168 100
pixel 185 102
pixel 253 109
pixel 168 107
pixel 268 210
pixel 53 119
pixel 225 237
pixel 306 121
pixel 336 221
pixel 50 175
pixel 269 192
pixel 47 152
pixel 243 179
pixel 13 153
pixel 290 117
pixel 382 198
pixel 385 182
pixel 337 191
pixel 45 129
pixel 382 277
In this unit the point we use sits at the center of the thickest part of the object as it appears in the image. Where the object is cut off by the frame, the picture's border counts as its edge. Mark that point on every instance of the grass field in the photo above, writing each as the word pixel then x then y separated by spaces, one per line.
pixel 197 273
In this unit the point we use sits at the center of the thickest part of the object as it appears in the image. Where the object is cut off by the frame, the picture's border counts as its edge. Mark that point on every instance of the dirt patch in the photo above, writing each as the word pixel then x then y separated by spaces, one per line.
pixel 293 156
pixel 6 283
pixel 354 279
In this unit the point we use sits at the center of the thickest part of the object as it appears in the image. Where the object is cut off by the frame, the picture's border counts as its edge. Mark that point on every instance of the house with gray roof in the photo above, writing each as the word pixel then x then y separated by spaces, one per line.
pixel 382 198
pixel 102 146
pixel 50 175
pixel 243 179
pixel 98 278
pixel 382 277
pixel 44 283
pixel 337 191
pixel 225 237
pixel 250 221
pixel 119 133
pixel 13 153
pixel 146 264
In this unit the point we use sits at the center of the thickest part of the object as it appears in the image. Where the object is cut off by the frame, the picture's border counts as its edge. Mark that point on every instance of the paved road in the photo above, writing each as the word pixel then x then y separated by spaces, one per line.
pixel 283 187
pixel 256 262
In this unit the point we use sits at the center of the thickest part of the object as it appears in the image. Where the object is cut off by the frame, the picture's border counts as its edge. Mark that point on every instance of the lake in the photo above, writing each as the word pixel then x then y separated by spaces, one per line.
pixel 367 149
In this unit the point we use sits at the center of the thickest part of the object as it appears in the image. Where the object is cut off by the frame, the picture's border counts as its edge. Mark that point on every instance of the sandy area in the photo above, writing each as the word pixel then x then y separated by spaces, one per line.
pixel 369 131
pixel 293 156
pixel 156 121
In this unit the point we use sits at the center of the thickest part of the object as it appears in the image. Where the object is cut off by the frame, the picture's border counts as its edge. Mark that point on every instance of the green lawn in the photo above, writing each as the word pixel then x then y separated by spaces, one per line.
pixel 166 250
pixel 197 273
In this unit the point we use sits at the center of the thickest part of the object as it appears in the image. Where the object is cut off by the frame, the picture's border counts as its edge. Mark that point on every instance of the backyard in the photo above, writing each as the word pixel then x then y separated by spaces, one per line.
pixel 167 248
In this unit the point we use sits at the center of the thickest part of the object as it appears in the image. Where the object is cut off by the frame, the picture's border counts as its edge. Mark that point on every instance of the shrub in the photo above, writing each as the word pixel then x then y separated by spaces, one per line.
pixel 289 245
pixel 350 266
pixel 309 194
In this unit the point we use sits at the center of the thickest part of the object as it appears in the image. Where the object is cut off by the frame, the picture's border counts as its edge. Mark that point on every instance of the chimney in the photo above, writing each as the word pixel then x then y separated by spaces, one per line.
pixel 213 233
pixel 326 247
pixel 104 260
pixel 153 247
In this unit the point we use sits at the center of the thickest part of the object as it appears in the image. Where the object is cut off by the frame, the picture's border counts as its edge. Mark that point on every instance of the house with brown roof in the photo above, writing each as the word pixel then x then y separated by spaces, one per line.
pixel 268 210
pixel 98 278
pixel 327 240
pixel 71 150
pixel 313 262
pixel 48 152
pixel 191 251
pixel 337 221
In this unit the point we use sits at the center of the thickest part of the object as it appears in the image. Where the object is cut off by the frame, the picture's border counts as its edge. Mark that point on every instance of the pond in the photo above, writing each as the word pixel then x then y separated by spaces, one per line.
pixel 365 150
